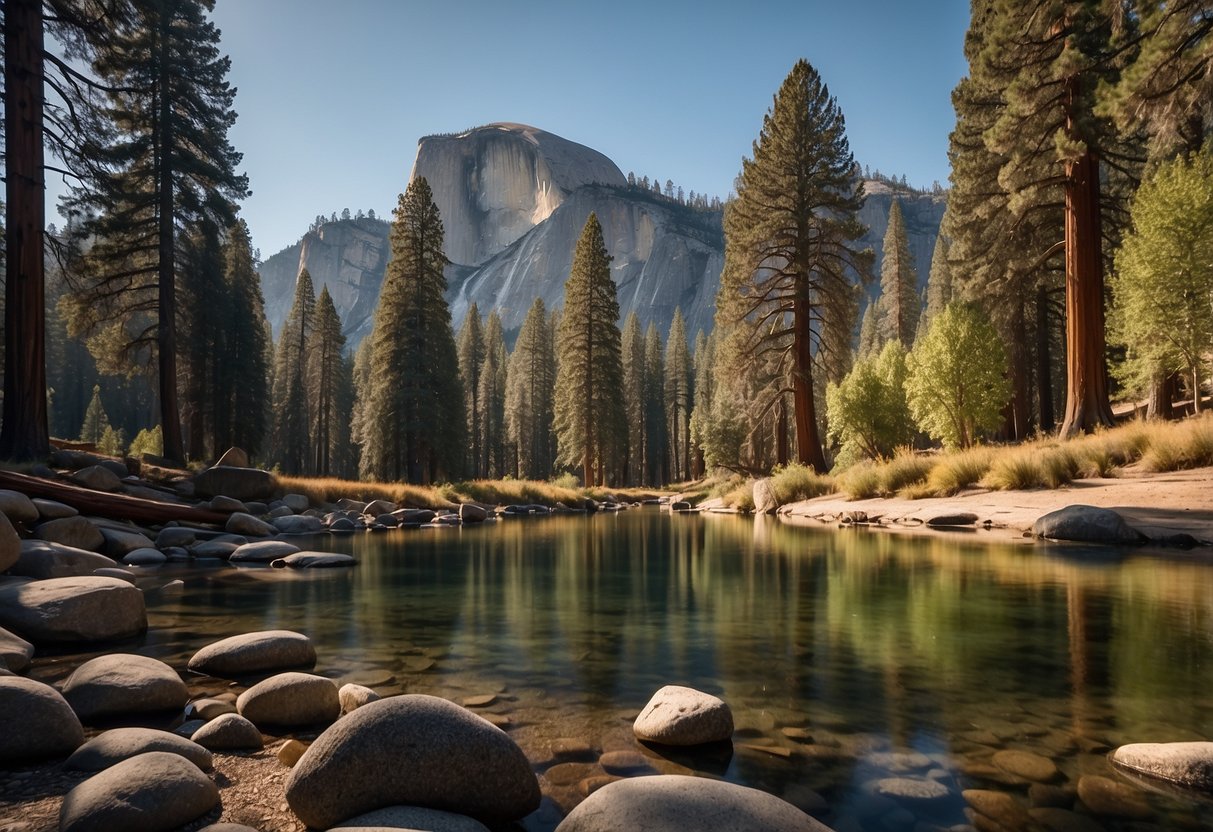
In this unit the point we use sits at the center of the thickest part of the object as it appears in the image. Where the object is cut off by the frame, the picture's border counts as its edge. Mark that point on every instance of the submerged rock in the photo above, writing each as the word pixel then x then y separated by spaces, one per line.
pixel 1186 764
pixel 679 715
pixel 1086 524
pixel 314 560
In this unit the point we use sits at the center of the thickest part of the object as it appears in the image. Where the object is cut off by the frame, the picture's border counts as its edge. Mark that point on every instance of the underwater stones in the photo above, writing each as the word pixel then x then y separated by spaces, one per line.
pixel 911 790
pixel 1104 796
pixel 679 715
pixel 256 652
pixel 1186 764
pixel 314 560
pixel 1027 765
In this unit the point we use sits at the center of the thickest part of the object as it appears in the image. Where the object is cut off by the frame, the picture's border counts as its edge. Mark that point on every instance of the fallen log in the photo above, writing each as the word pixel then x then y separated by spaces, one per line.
pixel 115 506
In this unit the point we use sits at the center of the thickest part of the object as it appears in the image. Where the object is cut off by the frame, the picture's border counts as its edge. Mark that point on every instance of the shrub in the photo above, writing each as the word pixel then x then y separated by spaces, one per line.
pixel 957 471
pixel 147 442
pixel 904 469
pixel 868 414
pixel 1015 470
pixel 1059 465
pixel 859 482
pixel 799 482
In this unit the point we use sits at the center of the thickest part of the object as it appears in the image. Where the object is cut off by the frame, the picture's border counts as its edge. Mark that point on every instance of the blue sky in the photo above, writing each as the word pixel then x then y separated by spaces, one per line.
pixel 333 96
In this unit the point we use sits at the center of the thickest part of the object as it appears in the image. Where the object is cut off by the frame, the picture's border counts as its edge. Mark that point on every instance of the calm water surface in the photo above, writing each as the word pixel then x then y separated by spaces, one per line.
pixel 847 656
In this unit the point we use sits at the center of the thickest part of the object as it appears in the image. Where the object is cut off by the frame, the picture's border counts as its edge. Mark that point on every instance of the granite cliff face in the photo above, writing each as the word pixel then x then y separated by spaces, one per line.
pixel 514 200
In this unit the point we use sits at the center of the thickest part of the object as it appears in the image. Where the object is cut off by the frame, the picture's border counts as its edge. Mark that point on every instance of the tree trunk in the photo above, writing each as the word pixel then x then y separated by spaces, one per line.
pixel 1162 393
pixel 1086 369
pixel 808 441
pixel 1021 400
pixel 24 434
pixel 1195 389
pixel 166 338
pixel 117 506
pixel 1044 362
pixel 781 432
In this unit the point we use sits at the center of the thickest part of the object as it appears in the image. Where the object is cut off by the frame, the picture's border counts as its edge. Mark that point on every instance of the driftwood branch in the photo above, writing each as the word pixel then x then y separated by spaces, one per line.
pixel 114 506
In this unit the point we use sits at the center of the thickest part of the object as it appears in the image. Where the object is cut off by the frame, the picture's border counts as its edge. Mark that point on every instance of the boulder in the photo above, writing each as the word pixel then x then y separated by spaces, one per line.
pixel 73 460
pixel 298 524
pixel 1186 764
pixel 415 516
pixel 68 610
pixel 229 732
pixel 233 458
pixel 280 511
pixel 290 699
pixel 71 531
pixel 98 478
pixel 472 513
pixel 377 507
pixel 10 544
pixel 416 750
pixel 237 482
pixel 353 697
pixel 247 524
pixel 263 551
pixel 679 715
pixel 52 509
pixel 119 542
pixel 251 653
pixel 314 560
pixel 144 557
pixel 123 683
pixel 256 508
pixel 410 818
pixel 388 521
pixel 227 504
pixel 175 536
pixel 118 744
pixel 1086 524
pixel 209 708
pixel 35 722
pixel 765 501
pixel 17 507
pixel 214 549
pixel 297 503
pixel 153 792
pixel 346 504
pixel 15 652
pixel 41 559
pixel 675 802
pixel 115 572
pixel 342 524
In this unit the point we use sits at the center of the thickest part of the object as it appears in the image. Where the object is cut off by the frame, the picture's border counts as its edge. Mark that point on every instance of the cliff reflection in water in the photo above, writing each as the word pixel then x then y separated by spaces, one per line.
pixel 845 655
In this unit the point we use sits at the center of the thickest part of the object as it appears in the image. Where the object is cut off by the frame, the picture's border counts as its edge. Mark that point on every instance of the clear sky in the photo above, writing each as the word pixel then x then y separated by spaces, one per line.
pixel 333 96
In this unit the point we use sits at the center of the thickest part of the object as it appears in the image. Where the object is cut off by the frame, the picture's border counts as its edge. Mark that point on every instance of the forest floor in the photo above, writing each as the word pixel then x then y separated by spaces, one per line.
pixel 1157 504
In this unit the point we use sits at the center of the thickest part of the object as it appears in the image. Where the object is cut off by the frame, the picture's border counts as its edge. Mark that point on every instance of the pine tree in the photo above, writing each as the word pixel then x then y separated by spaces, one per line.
pixel 292 408
pixel 656 440
pixel 530 380
pixel 789 245
pixel 704 388
pixel 95 419
pixel 490 399
pixel 413 424
pixel 589 418
pixel 471 361
pixel 244 417
pixel 899 304
pixel 634 367
pixel 167 166
pixel 201 335
pixel 324 382
pixel 678 398
pixel 939 282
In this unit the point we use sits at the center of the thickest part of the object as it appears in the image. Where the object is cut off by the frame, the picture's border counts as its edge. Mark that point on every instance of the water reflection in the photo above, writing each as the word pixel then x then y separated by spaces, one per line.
pixel 848 657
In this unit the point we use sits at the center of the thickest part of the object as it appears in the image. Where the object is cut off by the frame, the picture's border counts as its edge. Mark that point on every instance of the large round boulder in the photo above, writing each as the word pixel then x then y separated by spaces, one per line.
pixel 123 683
pixel 290 699
pixel 41 559
pixel 410 818
pixel 1186 764
pixel 238 483
pixel 74 531
pixel 251 653
pixel 97 478
pixel 674 802
pixel 17 507
pixel 229 732
pixel 679 715
pixel 69 610
pixel 1086 524
pixel 35 722
pixel 118 542
pixel 153 792
pixel 15 652
pixel 246 524
pixel 298 524
pixel 118 744
pixel 262 551
pixel 416 750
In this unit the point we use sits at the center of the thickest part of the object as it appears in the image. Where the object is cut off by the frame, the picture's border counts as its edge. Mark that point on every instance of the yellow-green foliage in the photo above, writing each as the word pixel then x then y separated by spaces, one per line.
pixel 905 469
pixel 740 497
pixel 957 471
pixel 1015 470
pixel 799 482
pixel 859 482
pixel 1188 445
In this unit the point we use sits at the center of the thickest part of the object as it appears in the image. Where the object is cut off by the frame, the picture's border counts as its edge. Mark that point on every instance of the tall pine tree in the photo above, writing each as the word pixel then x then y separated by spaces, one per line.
pixel 634 367
pixel 292 408
pixel 243 420
pixel 656 440
pixel 530 385
pixel 326 383
pixel 490 399
pixel 471 361
pixel 678 398
pixel 899 304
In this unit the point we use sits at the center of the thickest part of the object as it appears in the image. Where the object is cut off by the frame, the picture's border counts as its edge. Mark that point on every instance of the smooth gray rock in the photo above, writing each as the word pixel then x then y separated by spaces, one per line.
pixel 209 708
pixel 17 507
pixel 415 750
pixel 1086 524
pixel 115 572
pixel 238 483
pixel 41 559
pixel 290 699
pixel 15 652
pixel 1186 764
pixel 377 507
pixel 314 560
pixel 214 549
pixel 675 803
pixel 297 503
pixel 35 722
pixel 257 652
pixel 119 542
pixel 10 544
pixel 69 610
pixel 118 744
pixel 153 792
pixel 247 524
pixel 765 501
pixel 412 818
pixel 98 478
pixel 353 697
pixel 175 536
pixel 144 557
pixel 229 732
pixel 228 504
pixel 280 511
pixel 342 524
pixel 74 531
pixel 472 513
pixel 959 518
pixel 53 509
pixel 262 551
pixel 298 524
pixel 123 683
pixel 679 715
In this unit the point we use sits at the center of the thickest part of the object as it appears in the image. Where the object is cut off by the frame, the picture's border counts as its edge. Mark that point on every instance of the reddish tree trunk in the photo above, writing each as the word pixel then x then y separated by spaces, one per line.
pixel 781 432
pixel 24 434
pixel 1162 394
pixel 1086 369
pixel 808 441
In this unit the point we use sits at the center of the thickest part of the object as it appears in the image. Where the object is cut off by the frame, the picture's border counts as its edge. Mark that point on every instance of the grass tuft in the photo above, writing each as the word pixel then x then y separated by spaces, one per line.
pixel 906 468
pixel 957 471
pixel 799 482
pixel 860 482
pixel 1015 470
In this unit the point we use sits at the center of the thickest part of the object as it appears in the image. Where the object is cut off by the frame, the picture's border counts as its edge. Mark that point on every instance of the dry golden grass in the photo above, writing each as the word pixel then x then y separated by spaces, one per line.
pixel 331 489
pixel 795 482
